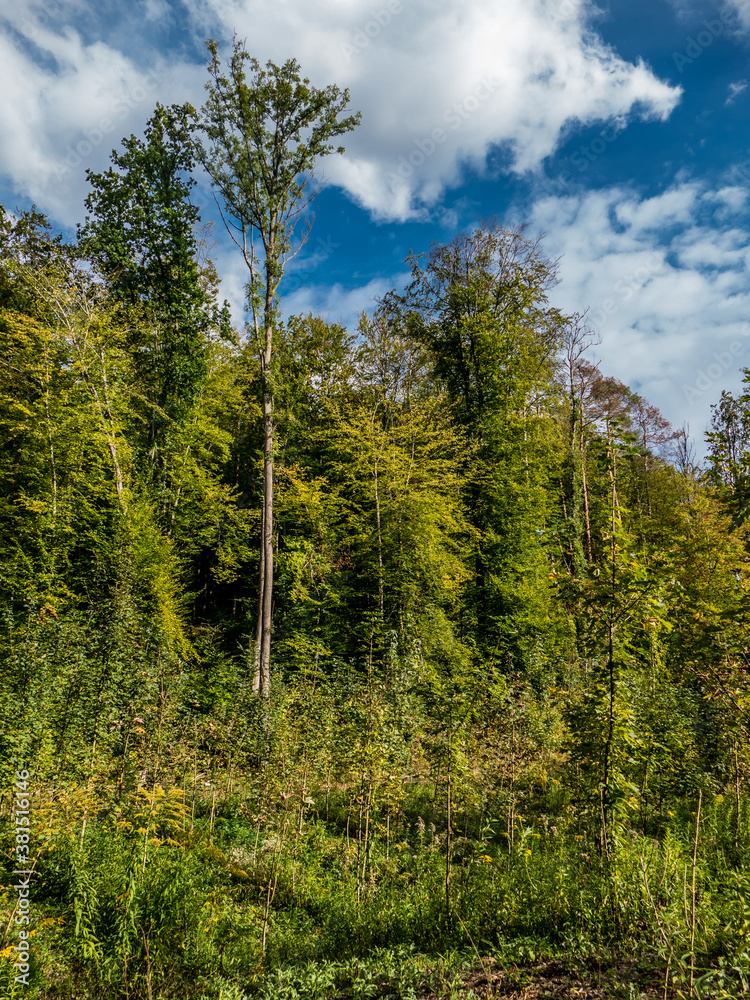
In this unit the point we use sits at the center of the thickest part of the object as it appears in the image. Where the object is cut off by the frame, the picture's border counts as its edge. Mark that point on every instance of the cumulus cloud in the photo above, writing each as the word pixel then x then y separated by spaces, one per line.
pixel 440 84
pixel 68 102
pixel 667 280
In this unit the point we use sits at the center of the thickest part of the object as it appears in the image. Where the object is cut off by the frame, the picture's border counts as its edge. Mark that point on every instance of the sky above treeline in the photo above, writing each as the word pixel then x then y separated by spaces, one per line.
pixel 617 129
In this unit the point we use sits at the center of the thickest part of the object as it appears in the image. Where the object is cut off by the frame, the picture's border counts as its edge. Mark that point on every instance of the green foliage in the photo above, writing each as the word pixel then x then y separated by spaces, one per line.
pixel 265 135
pixel 509 710
pixel 141 236
pixel 728 439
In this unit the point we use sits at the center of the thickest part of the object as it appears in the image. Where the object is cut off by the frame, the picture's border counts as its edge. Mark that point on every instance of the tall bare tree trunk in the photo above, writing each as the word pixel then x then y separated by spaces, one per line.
pixel 265 601
pixel 267 544
pixel 584 484
pixel 380 541
pixel 259 617
pixel 606 800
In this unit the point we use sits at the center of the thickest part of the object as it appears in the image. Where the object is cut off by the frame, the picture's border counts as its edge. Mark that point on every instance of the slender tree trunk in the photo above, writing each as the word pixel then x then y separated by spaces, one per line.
pixel 576 490
pixel 119 480
pixel 108 425
pixel 736 799
pixel 259 620
pixel 608 747
pixel 587 518
pixel 50 443
pixel 267 543
pixel 265 602
pixel 380 540
pixel 448 838
pixel 584 485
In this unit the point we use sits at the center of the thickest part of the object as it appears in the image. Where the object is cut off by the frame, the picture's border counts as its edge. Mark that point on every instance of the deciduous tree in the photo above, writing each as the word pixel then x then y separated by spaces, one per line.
pixel 265 130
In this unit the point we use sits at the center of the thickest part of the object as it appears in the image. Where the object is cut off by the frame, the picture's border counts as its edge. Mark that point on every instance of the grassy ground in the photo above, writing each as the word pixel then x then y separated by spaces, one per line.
pixel 153 899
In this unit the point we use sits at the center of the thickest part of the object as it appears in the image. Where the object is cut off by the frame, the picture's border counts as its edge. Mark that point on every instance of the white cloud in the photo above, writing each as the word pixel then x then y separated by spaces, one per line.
pixel 66 104
pixel 742 9
pixel 685 10
pixel 734 12
pixel 667 280
pixel 439 85
pixel 729 201
pixel 338 304
pixel 735 89
pixel 674 206
pixel 156 10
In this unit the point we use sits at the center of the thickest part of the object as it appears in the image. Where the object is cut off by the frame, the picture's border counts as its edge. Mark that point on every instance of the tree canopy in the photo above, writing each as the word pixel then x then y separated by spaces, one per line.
pixel 509 710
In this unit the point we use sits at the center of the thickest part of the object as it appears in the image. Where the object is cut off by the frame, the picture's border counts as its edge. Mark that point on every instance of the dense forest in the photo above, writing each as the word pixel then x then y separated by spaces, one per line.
pixel 391 662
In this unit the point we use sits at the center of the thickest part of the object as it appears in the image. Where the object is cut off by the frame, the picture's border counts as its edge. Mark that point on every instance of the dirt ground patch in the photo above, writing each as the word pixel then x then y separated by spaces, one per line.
pixel 553 980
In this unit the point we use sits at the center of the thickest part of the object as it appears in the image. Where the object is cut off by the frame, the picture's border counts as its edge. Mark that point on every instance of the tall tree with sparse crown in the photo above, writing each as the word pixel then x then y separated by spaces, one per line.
pixel 264 133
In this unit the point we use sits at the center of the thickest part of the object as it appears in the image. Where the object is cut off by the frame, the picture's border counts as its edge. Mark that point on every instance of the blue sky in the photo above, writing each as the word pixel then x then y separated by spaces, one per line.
pixel 618 129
